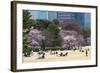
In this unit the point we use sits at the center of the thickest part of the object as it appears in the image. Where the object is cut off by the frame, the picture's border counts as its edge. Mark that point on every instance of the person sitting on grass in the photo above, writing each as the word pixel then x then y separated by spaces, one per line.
pixel 62 54
pixel 41 55
pixel 56 52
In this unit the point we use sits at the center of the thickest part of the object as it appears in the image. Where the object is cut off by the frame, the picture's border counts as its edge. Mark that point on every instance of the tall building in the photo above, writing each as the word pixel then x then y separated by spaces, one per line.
pixel 87 19
pixel 80 17
pixel 39 14
pixel 52 15
pixel 61 16
pixel 84 18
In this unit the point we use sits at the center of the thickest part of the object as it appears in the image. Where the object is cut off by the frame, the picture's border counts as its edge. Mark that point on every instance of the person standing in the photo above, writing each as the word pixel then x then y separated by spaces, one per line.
pixel 86 52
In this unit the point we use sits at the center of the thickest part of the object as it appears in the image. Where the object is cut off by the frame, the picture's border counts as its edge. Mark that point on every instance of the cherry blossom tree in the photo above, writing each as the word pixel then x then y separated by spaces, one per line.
pixel 70 39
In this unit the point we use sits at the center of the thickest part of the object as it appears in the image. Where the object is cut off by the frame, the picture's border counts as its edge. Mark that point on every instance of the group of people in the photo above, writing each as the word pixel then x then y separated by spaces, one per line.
pixel 86 51
pixel 41 54
pixel 61 53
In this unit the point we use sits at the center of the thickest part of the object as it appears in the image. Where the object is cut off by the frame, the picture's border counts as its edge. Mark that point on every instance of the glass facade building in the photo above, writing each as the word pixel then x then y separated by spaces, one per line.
pixel 52 15
pixel 84 18
pixel 61 16
pixel 39 14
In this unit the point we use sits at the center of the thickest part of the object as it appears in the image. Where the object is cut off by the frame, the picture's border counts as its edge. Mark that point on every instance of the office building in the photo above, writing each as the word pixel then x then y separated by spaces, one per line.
pixel 84 18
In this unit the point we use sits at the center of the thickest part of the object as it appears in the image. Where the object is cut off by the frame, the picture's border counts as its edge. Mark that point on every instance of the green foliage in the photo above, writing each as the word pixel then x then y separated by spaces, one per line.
pixel 27 22
pixel 53 28
pixel 86 31
pixel 32 22
pixel 26 48
pixel 42 24
pixel 55 21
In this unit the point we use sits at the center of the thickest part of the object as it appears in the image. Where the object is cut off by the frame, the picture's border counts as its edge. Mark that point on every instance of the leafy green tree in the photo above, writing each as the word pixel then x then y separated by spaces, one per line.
pixel 26 48
pixel 42 24
pixel 32 22
pixel 26 19
pixel 86 31
pixel 55 21
pixel 27 24
pixel 53 29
